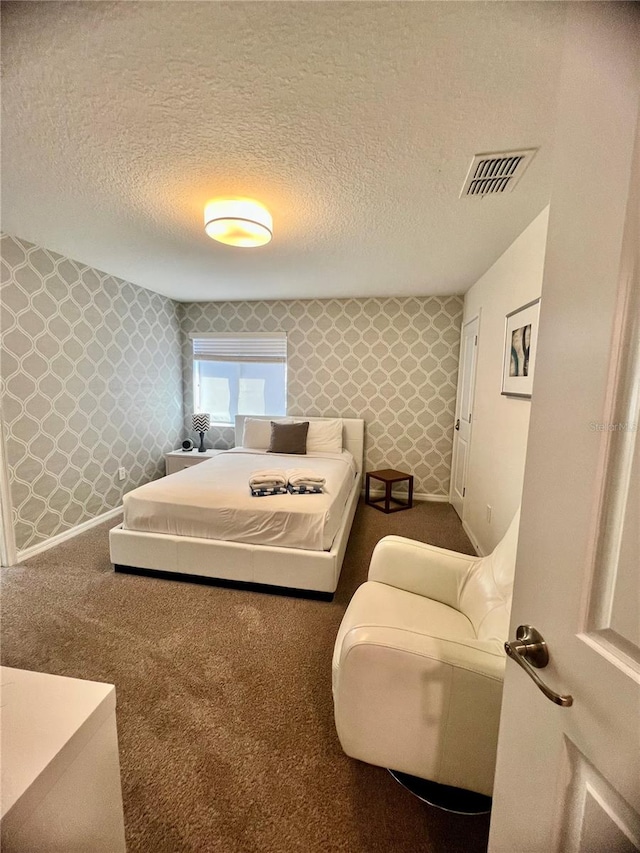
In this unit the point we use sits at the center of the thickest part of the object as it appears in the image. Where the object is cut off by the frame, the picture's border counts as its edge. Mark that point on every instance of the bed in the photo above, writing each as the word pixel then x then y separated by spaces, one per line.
pixel 202 525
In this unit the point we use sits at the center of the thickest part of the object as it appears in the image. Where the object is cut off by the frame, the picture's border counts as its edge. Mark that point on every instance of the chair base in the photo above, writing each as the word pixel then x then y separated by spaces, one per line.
pixel 455 800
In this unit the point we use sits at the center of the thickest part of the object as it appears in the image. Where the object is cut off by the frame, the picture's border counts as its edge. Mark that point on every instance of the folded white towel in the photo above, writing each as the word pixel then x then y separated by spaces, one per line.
pixel 304 477
pixel 268 477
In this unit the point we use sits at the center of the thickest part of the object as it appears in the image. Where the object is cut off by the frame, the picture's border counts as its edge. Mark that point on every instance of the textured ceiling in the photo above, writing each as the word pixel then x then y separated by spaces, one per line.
pixel 354 122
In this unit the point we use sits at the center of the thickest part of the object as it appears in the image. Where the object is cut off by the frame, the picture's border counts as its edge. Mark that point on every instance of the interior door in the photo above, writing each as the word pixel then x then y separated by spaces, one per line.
pixel 568 778
pixel 464 412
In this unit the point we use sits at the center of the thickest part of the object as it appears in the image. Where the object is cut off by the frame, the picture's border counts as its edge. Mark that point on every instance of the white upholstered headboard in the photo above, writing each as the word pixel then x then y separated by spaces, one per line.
pixel 352 433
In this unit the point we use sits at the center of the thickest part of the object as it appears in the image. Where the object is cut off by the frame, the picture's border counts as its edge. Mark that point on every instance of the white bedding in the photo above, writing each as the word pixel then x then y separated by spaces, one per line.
pixel 212 500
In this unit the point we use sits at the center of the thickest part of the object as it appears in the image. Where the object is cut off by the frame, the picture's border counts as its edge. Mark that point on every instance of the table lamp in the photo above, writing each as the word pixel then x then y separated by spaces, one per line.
pixel 201 423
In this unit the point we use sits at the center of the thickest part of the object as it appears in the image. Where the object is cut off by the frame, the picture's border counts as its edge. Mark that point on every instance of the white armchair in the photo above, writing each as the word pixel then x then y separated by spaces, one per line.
pixel 419 661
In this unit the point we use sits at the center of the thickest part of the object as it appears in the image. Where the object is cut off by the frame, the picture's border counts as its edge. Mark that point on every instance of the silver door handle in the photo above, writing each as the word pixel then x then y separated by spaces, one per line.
pixel 528 650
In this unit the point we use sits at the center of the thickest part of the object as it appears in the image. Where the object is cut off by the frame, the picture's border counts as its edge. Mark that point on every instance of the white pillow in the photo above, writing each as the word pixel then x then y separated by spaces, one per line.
pixel 324 436
pixel 256 434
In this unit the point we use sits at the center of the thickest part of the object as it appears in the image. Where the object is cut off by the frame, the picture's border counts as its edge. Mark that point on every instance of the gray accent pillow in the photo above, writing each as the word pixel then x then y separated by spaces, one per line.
pixel 288 438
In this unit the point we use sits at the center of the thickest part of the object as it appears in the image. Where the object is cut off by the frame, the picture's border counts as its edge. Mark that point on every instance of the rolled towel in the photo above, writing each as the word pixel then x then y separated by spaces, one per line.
pixel 268 478
pixel 304 477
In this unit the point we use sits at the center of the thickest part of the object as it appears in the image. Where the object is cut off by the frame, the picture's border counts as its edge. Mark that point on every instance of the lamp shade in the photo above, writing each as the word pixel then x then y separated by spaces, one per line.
pixel 201 422
pixel 238 222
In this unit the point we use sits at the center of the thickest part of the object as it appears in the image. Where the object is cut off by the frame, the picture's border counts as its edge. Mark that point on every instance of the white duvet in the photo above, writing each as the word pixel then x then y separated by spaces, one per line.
pixel 212 500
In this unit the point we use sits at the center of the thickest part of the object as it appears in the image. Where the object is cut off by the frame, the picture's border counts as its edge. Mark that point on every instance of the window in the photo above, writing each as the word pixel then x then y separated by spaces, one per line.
pixel 240 375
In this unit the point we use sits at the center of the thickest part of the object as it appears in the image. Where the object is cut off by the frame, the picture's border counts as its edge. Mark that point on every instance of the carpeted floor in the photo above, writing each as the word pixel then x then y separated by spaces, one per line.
pixel 225 715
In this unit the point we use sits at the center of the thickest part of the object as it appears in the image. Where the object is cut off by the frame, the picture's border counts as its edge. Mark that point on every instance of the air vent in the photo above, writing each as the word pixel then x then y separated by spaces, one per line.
pixel 490 174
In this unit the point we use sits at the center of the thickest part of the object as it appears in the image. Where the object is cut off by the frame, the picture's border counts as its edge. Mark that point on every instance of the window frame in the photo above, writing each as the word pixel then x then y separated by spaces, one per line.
pixel 229 356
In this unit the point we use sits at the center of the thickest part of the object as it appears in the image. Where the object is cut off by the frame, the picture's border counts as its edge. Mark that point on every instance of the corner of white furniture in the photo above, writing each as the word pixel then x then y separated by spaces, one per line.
pixel 60 779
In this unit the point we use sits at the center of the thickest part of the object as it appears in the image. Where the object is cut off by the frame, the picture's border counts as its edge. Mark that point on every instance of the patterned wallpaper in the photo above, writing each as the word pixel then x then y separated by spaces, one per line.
pixel 96 371
pixel 90 368
pixel 392 361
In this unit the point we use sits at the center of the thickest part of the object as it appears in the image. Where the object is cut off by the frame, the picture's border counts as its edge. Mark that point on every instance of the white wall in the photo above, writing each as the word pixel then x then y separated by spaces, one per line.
pixel 500 424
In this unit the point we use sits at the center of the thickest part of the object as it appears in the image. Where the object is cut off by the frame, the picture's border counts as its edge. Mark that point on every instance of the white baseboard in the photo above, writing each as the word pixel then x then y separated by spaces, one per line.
pixel 473 539
pixel 378 494
pixel 423 496
pixel 67 534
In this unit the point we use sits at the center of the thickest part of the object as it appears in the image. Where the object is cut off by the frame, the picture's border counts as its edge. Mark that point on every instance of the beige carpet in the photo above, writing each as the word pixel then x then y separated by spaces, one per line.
pixel 225 716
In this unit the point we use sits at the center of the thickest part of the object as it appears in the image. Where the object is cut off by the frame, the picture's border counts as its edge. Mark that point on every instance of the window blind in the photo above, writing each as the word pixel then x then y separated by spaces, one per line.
pixel 250 348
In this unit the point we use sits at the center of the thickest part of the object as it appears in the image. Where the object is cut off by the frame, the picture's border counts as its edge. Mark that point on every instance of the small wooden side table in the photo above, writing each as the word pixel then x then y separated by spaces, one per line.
pixel 388 476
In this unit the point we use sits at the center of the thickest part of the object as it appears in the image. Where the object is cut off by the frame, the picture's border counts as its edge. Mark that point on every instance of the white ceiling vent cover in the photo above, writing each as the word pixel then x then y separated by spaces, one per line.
pixel 491 174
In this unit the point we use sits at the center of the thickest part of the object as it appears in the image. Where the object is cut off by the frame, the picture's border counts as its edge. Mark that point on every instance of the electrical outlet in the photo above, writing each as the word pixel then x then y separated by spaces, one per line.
pixel 122 474
pixel 488 514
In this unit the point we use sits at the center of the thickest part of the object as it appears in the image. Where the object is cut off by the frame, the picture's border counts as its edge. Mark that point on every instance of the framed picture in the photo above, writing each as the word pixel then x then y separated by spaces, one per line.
pixel 521 336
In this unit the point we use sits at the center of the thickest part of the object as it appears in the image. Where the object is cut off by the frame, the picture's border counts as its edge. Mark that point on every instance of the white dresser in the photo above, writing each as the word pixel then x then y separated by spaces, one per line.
pixel 177 460
pixel 60 778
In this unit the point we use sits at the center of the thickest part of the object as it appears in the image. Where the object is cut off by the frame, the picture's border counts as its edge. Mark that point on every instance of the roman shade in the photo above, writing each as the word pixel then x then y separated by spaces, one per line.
pixel 265 347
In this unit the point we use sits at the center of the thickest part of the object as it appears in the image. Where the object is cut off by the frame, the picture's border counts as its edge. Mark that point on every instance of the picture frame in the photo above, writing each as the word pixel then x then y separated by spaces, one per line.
pixel 520 346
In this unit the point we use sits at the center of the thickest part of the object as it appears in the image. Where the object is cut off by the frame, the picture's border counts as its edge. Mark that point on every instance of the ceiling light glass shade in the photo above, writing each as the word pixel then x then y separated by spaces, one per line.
pixel 238 222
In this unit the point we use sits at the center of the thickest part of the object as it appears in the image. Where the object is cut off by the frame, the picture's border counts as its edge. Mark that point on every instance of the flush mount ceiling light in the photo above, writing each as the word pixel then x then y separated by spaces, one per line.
pixel 238 222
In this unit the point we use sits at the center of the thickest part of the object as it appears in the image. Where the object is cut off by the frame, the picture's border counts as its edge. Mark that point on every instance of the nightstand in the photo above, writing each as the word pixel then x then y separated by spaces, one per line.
pixel 178 460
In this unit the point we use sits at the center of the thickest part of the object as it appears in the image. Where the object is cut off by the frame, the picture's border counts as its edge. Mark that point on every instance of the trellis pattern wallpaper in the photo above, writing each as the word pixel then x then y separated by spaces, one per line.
pixel 97 374
pixel 91 382
pixel 392 361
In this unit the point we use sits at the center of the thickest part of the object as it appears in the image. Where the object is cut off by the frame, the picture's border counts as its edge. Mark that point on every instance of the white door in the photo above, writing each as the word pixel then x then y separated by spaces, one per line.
pixel 568 778
pixel 464 412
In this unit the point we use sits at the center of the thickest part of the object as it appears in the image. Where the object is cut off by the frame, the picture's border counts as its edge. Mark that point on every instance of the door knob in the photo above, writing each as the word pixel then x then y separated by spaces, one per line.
pixel 458 424
pixel 530 650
